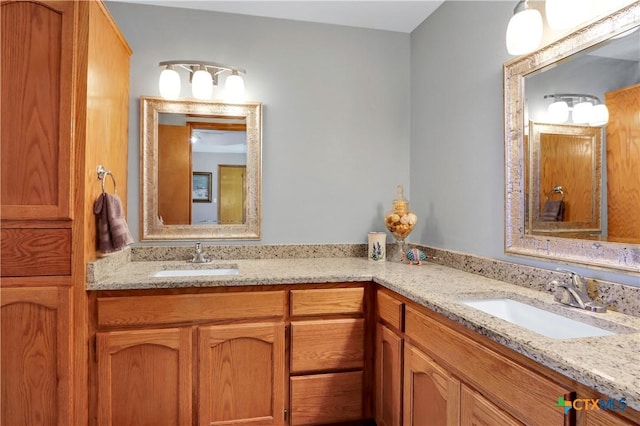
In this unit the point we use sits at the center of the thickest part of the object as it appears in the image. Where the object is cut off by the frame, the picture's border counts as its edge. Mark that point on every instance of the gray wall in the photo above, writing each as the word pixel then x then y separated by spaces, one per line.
pixel 350 113
pixel 336 112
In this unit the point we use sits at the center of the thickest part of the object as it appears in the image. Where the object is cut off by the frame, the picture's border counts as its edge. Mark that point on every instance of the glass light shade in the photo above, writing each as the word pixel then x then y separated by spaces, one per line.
pixel 582 112
pixel 524 32
pixel 169 84
pixel 564 14
pixel 202 85
pixel 599 115
pixel 234 87
pixel 558 112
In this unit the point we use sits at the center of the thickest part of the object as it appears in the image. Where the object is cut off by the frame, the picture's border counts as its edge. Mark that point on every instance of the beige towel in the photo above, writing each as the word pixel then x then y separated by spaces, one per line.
pixel 113 231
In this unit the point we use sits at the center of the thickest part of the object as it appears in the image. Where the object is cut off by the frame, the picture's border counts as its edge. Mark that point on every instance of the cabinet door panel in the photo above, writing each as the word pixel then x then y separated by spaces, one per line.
pixel 35 356
pixel 144 377
pixel 327 344
pixel 390 310
pixel 36 114
pixel 326 398
pixel 476 410
pixel 327 301
pixel 242 374
pixel 431 395
pixel 388 377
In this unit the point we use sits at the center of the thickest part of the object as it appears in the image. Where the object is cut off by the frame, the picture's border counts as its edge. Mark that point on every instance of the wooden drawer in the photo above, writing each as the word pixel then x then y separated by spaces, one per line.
pixel 516 388
pixel 35 252
pixel 326 398
pixel 327 345
pixel 170 309
pixel 390 310
pixel 327 301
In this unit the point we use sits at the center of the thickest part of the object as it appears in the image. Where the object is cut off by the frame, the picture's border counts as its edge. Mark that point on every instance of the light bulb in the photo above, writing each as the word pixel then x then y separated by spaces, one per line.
pixel 524 32
pixel 169 83
pixel 202 84
pixel 582 112
pixel 234 87
pixel 599 115
pixel 558 112
pixel 564 14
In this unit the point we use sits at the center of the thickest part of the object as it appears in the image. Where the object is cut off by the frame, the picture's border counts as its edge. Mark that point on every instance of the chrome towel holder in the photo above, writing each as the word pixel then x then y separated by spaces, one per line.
pixel 102 175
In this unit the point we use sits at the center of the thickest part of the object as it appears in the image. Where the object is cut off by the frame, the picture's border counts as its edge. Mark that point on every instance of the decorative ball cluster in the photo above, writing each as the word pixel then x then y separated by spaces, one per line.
pixel 400 224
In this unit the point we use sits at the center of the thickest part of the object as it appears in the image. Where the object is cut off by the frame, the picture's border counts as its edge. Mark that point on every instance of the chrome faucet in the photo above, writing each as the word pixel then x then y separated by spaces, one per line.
pixel 575 294
pixel 199 256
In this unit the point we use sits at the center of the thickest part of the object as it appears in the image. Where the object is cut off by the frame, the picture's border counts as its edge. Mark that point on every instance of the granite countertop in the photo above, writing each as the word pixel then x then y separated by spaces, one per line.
pixel 607 364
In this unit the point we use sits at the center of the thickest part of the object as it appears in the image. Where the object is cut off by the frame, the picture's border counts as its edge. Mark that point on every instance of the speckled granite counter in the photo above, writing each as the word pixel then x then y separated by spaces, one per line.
pixel 608 364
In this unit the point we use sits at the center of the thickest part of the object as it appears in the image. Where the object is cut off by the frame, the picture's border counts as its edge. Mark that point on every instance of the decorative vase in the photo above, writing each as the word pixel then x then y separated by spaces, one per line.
pixel 400 221
pixel 377 246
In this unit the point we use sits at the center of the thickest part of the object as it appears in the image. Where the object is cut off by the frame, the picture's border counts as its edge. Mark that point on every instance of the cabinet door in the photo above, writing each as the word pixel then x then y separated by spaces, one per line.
pixel 476 410
pixel 36 95
pixel 35 356
pixel 388 377
pixel 145 377
pixel 431 395
pixel 242 374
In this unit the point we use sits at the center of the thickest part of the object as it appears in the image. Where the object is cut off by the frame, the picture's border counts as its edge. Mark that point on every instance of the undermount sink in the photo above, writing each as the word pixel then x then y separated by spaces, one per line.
pixel 535 319
pixel 197 270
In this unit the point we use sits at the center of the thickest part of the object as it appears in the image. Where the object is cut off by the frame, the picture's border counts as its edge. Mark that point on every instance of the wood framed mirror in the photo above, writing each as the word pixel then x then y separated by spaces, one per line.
pixel 201 167
pixel 610 250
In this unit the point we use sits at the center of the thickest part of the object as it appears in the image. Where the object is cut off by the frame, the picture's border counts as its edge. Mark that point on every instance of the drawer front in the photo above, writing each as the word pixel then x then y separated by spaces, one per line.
pixel 517 388
pixel 326 398
pixel 35 252
pixel 327 301
pixel 170 309
pixel 327 345
pixel 390 310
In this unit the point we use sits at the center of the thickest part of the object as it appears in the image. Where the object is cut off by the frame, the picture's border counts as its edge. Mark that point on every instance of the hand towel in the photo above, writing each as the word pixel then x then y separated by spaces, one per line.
pixel 113 231
pixel 553 211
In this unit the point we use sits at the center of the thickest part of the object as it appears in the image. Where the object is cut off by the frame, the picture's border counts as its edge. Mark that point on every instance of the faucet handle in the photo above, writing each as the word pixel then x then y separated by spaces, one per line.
pixel 576 278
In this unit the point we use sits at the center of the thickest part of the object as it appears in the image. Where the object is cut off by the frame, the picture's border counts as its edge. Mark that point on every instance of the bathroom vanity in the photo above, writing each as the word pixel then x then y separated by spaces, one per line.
pixel 322 341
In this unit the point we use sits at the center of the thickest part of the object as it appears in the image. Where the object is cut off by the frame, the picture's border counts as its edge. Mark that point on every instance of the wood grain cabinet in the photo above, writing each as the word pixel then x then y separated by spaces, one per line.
pixel 241 374
pixel 327 359
pixel 182 359
pixel 36 356
pixel 431 394
pixel 64 97
pixel 388 360
pixel 145 377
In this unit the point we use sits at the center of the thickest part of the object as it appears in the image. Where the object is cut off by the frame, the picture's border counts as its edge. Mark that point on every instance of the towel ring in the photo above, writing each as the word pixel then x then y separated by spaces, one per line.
pixel 556 190
pixel 102 175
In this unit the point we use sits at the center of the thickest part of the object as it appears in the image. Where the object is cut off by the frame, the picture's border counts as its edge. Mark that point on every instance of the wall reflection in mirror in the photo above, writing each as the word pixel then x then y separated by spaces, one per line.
pixel 201 169
pixel 564 144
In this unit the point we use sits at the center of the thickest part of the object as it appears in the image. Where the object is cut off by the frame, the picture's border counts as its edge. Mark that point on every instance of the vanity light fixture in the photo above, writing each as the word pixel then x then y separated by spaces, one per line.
pixel 203 77
pixel 524 32
pixel 563 14
pixel 585 109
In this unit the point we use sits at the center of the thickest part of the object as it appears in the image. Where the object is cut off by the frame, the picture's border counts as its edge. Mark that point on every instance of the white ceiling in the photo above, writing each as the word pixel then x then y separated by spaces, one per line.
pixel 401 16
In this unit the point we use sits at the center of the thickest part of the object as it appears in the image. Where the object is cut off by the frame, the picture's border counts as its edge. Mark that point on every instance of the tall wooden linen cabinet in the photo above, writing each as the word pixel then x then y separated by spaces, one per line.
pixel 64 111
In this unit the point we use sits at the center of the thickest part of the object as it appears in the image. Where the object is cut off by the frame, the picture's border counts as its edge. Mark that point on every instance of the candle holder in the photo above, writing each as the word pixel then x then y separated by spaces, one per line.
pixel 400 221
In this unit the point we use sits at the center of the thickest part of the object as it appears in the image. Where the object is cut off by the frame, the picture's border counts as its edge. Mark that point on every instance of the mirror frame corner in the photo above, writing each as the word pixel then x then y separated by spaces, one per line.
pixel 151 229
pixel 617 257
